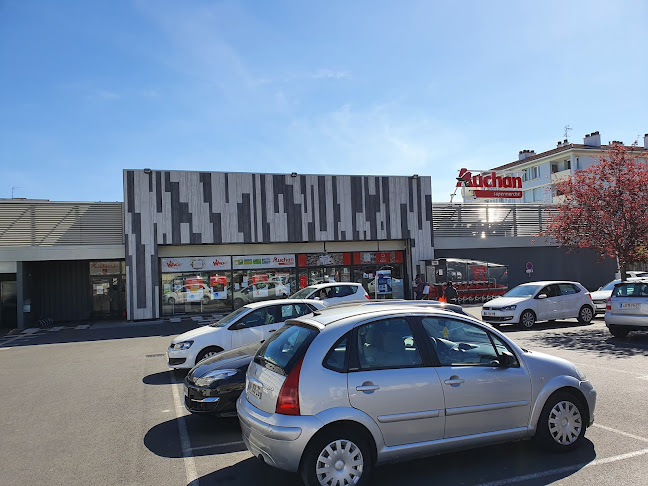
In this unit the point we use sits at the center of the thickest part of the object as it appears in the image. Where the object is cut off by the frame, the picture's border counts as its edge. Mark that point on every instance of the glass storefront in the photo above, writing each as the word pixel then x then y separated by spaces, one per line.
pixel 108 282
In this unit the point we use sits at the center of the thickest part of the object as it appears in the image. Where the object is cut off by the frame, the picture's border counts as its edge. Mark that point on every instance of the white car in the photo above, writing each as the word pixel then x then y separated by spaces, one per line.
pixel 601 296
pixel 190 293
pixel 250 323
pixel 333 292
pixel 540 301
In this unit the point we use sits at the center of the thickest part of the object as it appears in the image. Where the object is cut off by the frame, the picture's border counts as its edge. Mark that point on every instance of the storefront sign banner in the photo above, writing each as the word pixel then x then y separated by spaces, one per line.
pixel 105 268
pixel 252 262
pixel 190 264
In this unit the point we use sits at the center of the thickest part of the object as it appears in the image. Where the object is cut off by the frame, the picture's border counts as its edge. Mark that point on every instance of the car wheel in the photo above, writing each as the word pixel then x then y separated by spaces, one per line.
pixel 208 353
pixel 495 324
pixel 527 319
pixel 585 314
pixel 561 426
pixel 238 302
pixel 617 331
pixel 171 300
pixel 337 456
pixel 205 300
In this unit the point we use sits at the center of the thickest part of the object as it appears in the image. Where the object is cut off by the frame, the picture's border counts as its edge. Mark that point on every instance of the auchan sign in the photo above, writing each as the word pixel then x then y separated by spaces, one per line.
pixel 487 185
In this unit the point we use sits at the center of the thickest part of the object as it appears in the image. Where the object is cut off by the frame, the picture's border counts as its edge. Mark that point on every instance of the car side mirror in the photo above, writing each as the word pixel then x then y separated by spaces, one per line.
pixel 542 296
pixel 236 326
pixel 505 360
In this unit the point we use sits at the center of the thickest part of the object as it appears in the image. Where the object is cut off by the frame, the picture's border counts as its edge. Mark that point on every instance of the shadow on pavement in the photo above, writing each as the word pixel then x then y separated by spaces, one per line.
pixel 546 325
pixel 208 436
pixel 167 377
pixel 478 466
pixel 598 341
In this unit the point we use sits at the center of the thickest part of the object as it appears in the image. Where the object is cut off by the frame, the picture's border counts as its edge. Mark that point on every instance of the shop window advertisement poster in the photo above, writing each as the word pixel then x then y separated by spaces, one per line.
pixel 384 282
pixel 260 285
pixel 218 283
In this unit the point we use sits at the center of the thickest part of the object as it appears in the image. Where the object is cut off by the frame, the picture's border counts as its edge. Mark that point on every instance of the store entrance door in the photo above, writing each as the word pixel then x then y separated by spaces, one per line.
pixel 108 297
pixel 8 311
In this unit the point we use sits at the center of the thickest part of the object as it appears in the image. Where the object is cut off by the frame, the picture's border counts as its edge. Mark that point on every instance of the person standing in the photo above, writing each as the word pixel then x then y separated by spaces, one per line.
pixel 450 293
pixel 419 284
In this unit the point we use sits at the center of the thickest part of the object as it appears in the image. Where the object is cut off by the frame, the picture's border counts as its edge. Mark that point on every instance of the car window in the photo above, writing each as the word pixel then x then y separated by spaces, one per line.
pixel 336 357
pixel 459 343
pixel 550 290
pixel 636 289
pixel 387 344
pixel 259 317
pixel 567 289
pixel 342 290
pixel 289 311
pixel 285 348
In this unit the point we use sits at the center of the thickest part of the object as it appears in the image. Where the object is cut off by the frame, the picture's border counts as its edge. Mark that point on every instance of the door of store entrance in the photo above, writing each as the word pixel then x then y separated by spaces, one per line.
pixel 108 294
pixel 8 314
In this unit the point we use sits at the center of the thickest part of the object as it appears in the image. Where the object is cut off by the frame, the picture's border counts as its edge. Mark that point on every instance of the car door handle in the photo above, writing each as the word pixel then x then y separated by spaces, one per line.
pixel 272 330
pixel 454 381
pixel 368 387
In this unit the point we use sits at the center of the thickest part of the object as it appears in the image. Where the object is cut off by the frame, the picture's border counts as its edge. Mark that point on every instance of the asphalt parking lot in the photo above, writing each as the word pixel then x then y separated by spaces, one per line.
pixel 99 406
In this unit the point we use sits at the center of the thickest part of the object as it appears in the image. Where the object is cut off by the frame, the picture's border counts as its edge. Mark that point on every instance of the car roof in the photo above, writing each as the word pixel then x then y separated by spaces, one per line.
pixel 330 315
pixel 329 284
pixel 264 303
pixel 549 282
pixel 634 280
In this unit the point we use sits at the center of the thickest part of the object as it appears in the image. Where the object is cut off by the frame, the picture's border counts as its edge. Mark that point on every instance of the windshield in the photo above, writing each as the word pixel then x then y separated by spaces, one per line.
pixel 523 291
pixel 303 293
pixel 610 285
pixel 230 318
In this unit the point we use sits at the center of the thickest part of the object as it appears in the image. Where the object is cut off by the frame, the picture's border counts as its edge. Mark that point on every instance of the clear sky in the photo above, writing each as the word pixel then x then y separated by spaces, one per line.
pixel 88 88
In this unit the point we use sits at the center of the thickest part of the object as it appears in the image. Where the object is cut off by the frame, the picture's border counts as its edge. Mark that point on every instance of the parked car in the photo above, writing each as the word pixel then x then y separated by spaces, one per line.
pixel 333 393
pixel 627 308
pixel 632 274
pixel 540 301
pixel 600 297
pixel 189 293
pixel 271 290
pixel 251 323
pixel 213 385
pixel 333 292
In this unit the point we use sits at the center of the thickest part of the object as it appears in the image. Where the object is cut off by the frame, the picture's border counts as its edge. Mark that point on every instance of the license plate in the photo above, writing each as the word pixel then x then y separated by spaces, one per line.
pixel 626 305
pixel 490 314
pixel 255 390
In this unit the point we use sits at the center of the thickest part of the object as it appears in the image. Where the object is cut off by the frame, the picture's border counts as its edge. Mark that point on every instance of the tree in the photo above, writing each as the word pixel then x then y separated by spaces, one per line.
pixel 605 207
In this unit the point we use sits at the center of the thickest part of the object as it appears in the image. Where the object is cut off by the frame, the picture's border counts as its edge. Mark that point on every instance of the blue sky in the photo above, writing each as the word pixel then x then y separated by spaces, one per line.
pixel 337 87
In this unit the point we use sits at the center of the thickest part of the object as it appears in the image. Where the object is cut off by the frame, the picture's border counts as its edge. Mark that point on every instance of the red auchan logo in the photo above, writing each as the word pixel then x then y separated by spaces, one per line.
pixel 491 180
pixel 284 260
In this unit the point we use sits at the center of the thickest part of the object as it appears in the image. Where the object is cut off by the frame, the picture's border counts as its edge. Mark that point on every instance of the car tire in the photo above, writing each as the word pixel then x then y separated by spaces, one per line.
pixel 206 300
pixel 495 324
pixel 585 314
pixel 238 302
pixel 337 446
pixel 170 301
pixel 619 332
pixel 561 426
pixel 208 353
pixel 527 319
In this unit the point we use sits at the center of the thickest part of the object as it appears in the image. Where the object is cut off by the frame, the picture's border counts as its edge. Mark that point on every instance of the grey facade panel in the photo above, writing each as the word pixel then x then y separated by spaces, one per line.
pixel 183 208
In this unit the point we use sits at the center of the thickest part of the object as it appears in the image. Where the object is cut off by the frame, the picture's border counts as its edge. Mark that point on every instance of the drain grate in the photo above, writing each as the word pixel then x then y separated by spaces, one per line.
pixel 157 355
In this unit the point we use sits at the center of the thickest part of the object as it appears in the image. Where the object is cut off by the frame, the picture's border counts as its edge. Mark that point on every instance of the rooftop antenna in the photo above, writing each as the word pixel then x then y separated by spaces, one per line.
pixel 567 130
pixel 13 189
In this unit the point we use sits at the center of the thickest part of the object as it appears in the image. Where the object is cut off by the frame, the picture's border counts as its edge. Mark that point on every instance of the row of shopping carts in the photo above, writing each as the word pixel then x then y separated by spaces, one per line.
pixel 478 292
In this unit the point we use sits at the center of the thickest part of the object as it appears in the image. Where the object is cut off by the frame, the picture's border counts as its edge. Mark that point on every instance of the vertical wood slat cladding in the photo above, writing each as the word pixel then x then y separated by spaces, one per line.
pixel 189 208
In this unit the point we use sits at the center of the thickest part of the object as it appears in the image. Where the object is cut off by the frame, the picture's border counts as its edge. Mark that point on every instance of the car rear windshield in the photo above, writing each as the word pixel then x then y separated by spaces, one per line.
pixel 631 289
pixel 285 348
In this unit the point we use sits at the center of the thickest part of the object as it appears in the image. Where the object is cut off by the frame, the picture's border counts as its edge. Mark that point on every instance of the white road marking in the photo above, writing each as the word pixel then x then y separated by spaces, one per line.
pixel 82 326
pixel 4 349
pixel 58 328
pixel 567 469
pixel 584 365
pixel 189 462
pixel 214 446
pixel 621 432
pixel 31 330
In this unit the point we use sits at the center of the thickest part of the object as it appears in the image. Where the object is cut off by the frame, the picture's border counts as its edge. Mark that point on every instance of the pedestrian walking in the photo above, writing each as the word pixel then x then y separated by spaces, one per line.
pixel 419 285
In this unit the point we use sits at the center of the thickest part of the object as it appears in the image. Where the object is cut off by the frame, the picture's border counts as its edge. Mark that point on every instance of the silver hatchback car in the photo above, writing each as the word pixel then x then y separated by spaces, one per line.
pixel 335 392
pixel 627 307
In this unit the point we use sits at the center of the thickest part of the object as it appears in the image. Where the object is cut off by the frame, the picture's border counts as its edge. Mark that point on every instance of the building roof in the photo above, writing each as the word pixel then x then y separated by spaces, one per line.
pixel 562 148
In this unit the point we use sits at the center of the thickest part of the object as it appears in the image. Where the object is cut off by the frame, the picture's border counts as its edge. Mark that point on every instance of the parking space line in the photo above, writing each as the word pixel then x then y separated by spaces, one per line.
pixel 621 432
pixel 567 469
pixel 585 365
pixel 214 446
pixel 187 456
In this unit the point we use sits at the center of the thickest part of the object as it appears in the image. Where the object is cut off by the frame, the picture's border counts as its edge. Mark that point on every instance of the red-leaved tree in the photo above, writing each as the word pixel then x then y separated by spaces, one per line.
pixel 605 207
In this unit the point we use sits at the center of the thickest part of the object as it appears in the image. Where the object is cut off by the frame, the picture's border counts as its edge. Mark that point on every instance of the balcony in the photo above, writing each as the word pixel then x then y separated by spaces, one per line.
pixel 560 176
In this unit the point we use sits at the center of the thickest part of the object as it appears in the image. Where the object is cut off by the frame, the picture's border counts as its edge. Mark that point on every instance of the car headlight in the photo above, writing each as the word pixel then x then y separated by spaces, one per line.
pixel 181 345
pixel 508 307
pixel 213 376
pixel 579 372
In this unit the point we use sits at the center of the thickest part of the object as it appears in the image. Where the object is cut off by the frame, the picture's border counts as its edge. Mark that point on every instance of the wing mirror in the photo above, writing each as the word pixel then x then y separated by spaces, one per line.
pixel 505 360
pixel 542 296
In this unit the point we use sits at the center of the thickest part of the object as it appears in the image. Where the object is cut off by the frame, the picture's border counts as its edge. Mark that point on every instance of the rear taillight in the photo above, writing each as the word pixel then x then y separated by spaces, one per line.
pixel 590 296
pixel 288 399
pixel 367 295
pixel 608 304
